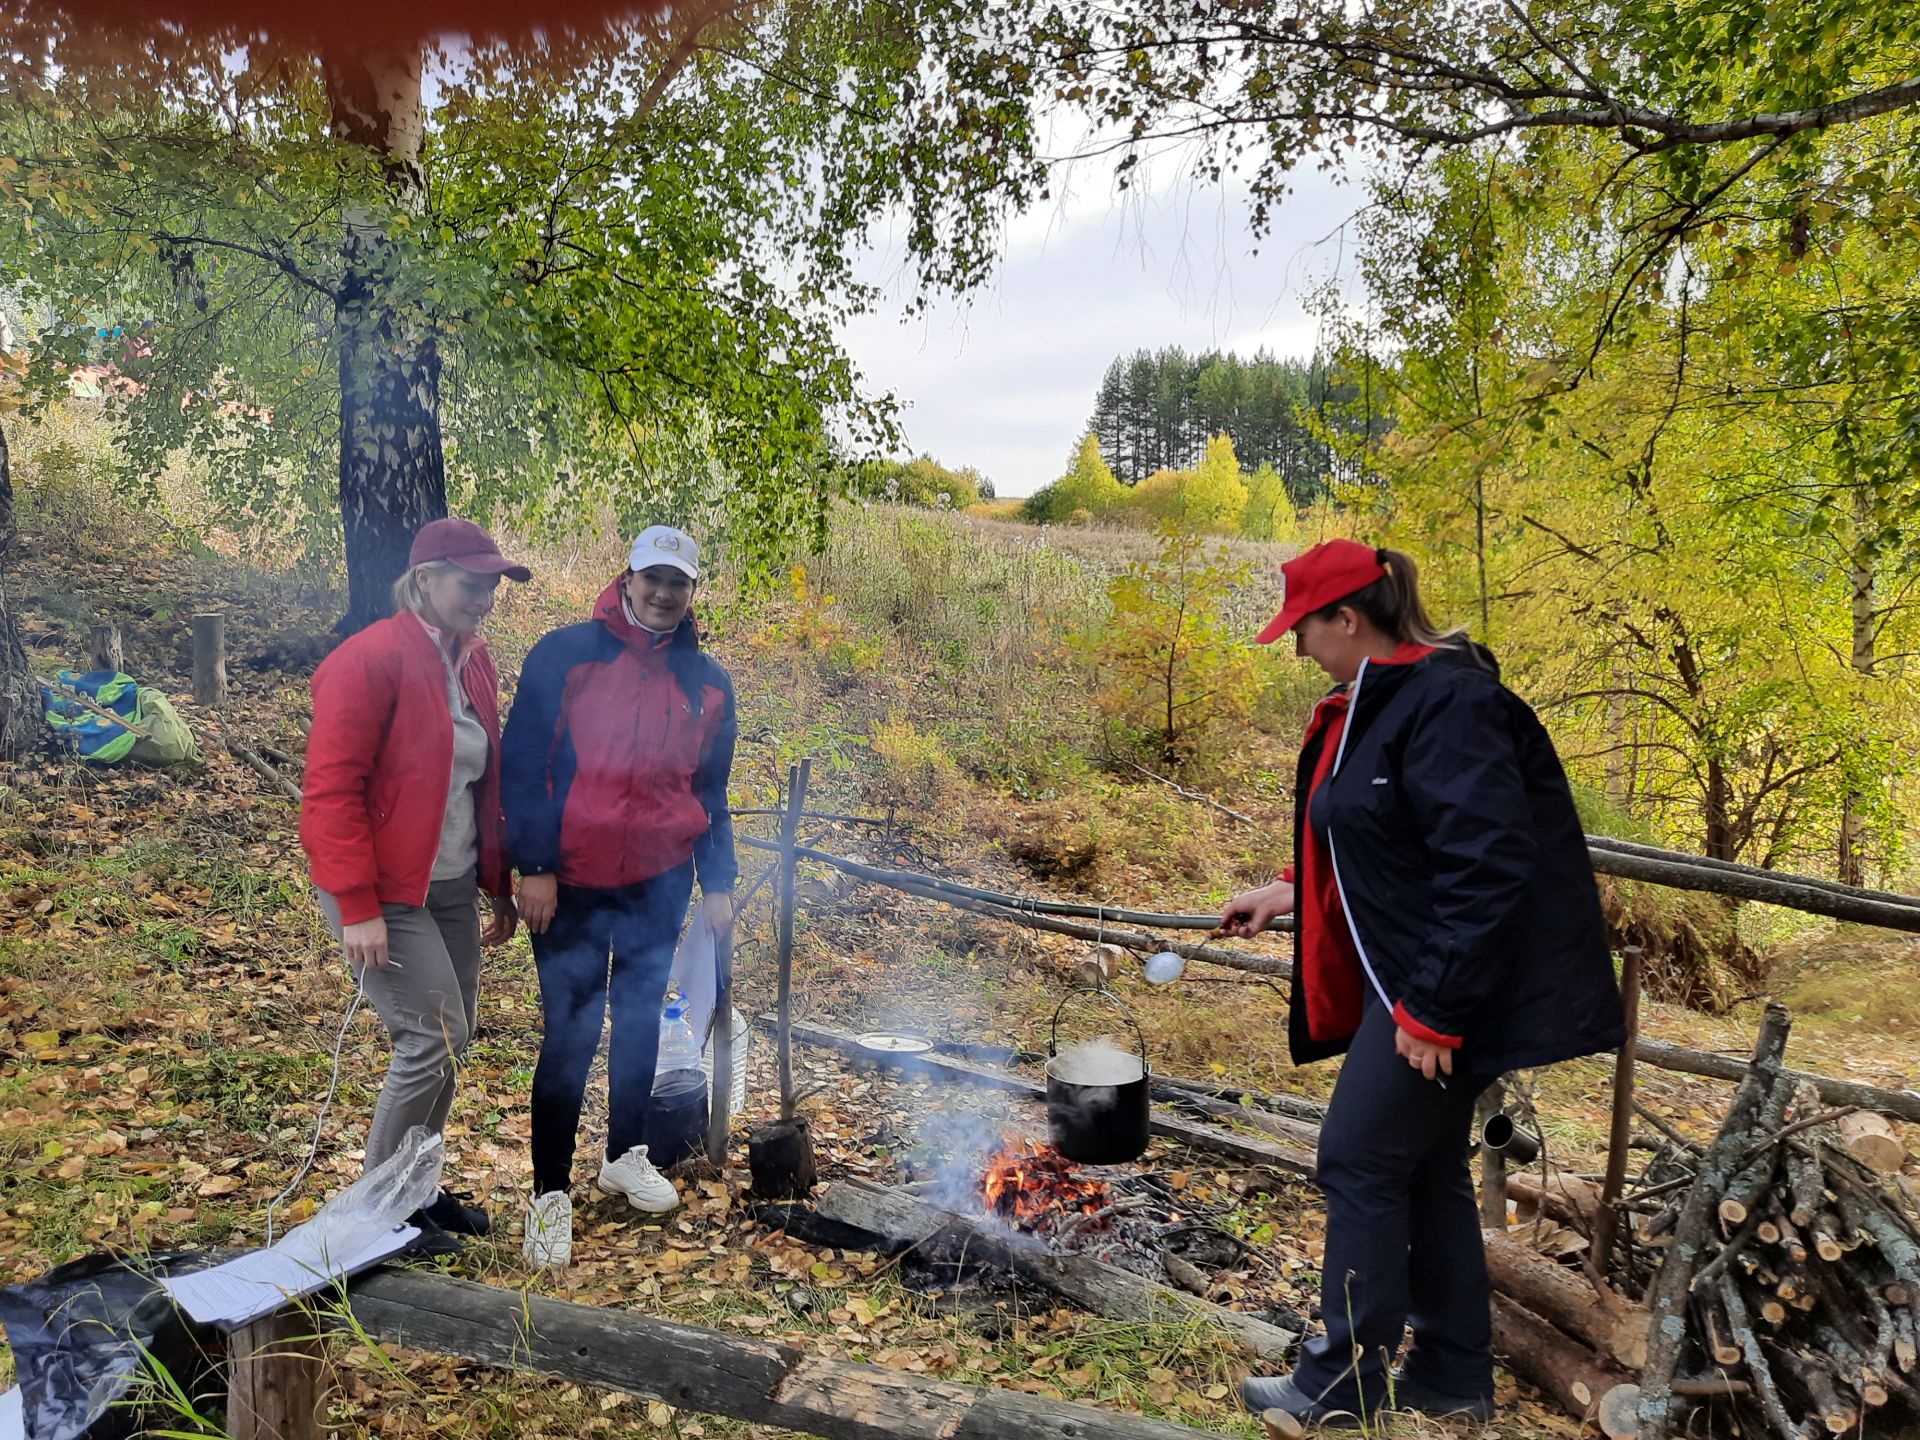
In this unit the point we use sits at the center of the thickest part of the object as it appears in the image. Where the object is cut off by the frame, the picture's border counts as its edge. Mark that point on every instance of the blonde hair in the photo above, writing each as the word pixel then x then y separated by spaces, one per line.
pixel 407 592
pixel 1393 604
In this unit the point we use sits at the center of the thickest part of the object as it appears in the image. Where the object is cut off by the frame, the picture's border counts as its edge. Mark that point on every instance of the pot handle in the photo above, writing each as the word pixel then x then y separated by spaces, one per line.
pixel 1053 1032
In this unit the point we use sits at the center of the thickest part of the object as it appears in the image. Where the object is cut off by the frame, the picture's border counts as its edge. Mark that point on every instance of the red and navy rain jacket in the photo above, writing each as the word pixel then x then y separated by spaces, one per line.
pixel 617 753
pixel 1437 831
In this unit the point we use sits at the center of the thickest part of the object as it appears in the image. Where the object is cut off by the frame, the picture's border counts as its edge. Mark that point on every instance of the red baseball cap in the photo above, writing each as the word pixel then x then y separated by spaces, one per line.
pixel 465 544
pixel 1324 575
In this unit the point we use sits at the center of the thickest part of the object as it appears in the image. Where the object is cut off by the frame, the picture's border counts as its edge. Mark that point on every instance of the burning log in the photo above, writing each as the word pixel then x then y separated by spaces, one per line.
pixel 899 1222
pixel 1606 1321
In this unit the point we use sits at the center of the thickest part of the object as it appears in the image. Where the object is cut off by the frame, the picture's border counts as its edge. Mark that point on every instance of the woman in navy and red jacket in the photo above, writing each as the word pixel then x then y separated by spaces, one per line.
pixel 1448 930
pixel 400 819
pixel 618 752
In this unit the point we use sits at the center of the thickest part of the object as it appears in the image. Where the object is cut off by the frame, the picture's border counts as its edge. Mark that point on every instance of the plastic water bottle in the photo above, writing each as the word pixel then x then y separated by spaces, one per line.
pixel 679 1046
pixel 677 1116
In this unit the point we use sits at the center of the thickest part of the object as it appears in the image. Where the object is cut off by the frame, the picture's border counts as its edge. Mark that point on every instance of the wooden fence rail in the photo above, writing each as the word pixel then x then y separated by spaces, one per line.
pixel 691 1368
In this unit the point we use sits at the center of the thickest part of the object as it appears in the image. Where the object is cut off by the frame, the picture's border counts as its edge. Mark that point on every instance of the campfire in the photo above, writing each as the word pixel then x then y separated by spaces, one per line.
pixel 1032 1187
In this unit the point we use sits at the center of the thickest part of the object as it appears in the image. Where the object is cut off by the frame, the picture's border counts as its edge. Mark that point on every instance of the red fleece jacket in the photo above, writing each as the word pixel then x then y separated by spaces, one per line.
pixel 380 765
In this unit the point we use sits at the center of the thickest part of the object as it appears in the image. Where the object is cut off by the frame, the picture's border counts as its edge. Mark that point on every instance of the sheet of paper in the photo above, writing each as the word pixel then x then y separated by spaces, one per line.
pixel 13 1416
pixel 261 1281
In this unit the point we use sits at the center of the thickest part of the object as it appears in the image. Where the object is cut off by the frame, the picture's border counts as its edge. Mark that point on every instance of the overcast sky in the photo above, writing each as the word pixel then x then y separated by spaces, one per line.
pixel 1005 380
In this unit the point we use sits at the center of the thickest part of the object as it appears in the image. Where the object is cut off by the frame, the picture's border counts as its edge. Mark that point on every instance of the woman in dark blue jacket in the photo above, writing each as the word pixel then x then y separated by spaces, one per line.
pixel 1448 930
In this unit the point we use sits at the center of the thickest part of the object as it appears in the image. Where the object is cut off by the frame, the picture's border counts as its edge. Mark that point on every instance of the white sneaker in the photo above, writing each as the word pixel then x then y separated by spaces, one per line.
pixel 549 1240
pixel 633 1176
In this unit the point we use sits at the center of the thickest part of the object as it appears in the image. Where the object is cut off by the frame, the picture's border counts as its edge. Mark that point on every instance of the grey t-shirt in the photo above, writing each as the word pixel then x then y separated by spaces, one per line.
pixel 459 837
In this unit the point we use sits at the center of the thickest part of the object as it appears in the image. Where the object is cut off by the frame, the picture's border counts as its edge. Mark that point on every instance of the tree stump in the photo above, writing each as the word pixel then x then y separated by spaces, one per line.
pixel 210 659
pixel 275 1378
pixel 780 1155
pixel 104 648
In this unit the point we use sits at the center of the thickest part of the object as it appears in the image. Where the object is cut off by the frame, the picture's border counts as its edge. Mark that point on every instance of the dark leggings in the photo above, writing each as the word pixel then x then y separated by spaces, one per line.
pixel 602 943
pixel 1403 1231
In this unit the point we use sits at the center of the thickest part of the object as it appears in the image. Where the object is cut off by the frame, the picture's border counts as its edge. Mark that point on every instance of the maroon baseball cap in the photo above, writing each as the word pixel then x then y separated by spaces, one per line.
pixel 1326 574
pixel 465 544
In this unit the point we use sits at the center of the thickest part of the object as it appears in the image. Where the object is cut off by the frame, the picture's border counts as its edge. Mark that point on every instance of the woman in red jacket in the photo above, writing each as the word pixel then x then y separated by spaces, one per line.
pixel 617 757
pixel 402 825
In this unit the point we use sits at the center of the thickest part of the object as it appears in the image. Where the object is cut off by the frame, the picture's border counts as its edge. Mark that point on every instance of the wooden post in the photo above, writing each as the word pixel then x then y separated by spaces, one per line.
pixel 104 648
pixel 1493 1164
pixel 797 779
pixel 720 1098
pixel 1606 1225
pixel 210 659
pixel 275 1378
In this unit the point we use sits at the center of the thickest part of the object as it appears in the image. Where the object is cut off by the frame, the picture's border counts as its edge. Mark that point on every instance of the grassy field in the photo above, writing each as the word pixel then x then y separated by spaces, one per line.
pixel 168 996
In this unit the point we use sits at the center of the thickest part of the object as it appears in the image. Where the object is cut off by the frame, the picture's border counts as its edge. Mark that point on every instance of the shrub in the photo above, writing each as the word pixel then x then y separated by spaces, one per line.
pixel 1086 493
pixel 1168 666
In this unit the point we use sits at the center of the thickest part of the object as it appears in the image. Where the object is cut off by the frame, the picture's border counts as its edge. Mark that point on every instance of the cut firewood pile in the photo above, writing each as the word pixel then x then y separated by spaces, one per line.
pixel 1770 1273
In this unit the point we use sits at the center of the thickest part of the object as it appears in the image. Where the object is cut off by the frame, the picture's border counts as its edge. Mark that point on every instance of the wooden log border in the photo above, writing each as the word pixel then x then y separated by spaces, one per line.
pixel 691 1368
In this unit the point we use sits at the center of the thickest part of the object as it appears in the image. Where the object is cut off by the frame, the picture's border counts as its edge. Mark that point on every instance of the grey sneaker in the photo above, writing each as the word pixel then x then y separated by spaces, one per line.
pixel 1261 1393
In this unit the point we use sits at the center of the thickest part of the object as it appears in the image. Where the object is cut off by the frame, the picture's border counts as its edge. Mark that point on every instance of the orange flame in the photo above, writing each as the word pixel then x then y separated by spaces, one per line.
pixel 1029 1184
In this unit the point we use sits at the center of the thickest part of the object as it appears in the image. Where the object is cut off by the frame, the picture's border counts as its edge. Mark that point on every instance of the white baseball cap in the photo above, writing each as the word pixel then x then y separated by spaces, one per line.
pixel 664 545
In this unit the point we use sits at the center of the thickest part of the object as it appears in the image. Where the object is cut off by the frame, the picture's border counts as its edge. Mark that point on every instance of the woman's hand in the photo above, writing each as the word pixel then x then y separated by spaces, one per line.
pixel 539 894
pixel 499 929
pixel 1423 1055
pixel 1247 915
pixel 718 912
pixel 366 941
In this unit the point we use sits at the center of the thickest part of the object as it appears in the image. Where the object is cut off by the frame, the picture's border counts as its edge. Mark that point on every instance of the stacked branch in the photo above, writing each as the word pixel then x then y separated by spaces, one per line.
pixel 1780 1264
pixel 1781 1269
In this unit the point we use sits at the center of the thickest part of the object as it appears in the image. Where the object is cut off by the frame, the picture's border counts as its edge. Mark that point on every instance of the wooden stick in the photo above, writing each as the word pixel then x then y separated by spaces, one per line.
pixel 1759 1374
pixel 747 1378
pixel 1609 1323
pixel 1666 1128
pixel 265 771
pixel 1673 1284
pixel 1493 1163
pixel 797 778
pixel 67 692
pixel 1239 1147
pixel 1185 794
pixel 1545 1357
pixel 1607 1222
pixel 1903 1103
pixel 1896 912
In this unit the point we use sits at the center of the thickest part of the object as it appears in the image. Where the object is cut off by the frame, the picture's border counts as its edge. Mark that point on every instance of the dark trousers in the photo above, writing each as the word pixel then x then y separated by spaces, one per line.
pixel 1403 1231
pixel 602 944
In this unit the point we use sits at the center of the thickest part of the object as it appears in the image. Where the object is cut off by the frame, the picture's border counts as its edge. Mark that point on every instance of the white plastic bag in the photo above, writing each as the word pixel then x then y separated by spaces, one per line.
pixel 694 975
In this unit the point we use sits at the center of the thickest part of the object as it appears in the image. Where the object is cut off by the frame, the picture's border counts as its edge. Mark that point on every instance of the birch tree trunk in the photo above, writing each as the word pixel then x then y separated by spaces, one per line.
pixel 392 473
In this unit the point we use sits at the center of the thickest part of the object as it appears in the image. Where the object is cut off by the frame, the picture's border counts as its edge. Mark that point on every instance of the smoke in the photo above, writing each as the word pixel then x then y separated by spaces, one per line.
pixel 955 1143
pixel 1096 1062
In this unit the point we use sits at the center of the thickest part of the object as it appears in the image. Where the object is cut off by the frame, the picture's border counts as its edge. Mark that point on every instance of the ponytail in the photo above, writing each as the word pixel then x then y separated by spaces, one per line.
pixel 1392 603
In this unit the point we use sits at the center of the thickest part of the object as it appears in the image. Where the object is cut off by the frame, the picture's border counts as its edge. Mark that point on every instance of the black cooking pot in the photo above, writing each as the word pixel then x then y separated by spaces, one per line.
pixel 1096 1123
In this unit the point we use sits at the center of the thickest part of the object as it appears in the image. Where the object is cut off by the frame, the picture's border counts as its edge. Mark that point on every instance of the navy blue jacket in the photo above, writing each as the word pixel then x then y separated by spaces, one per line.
pixel 1463 869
